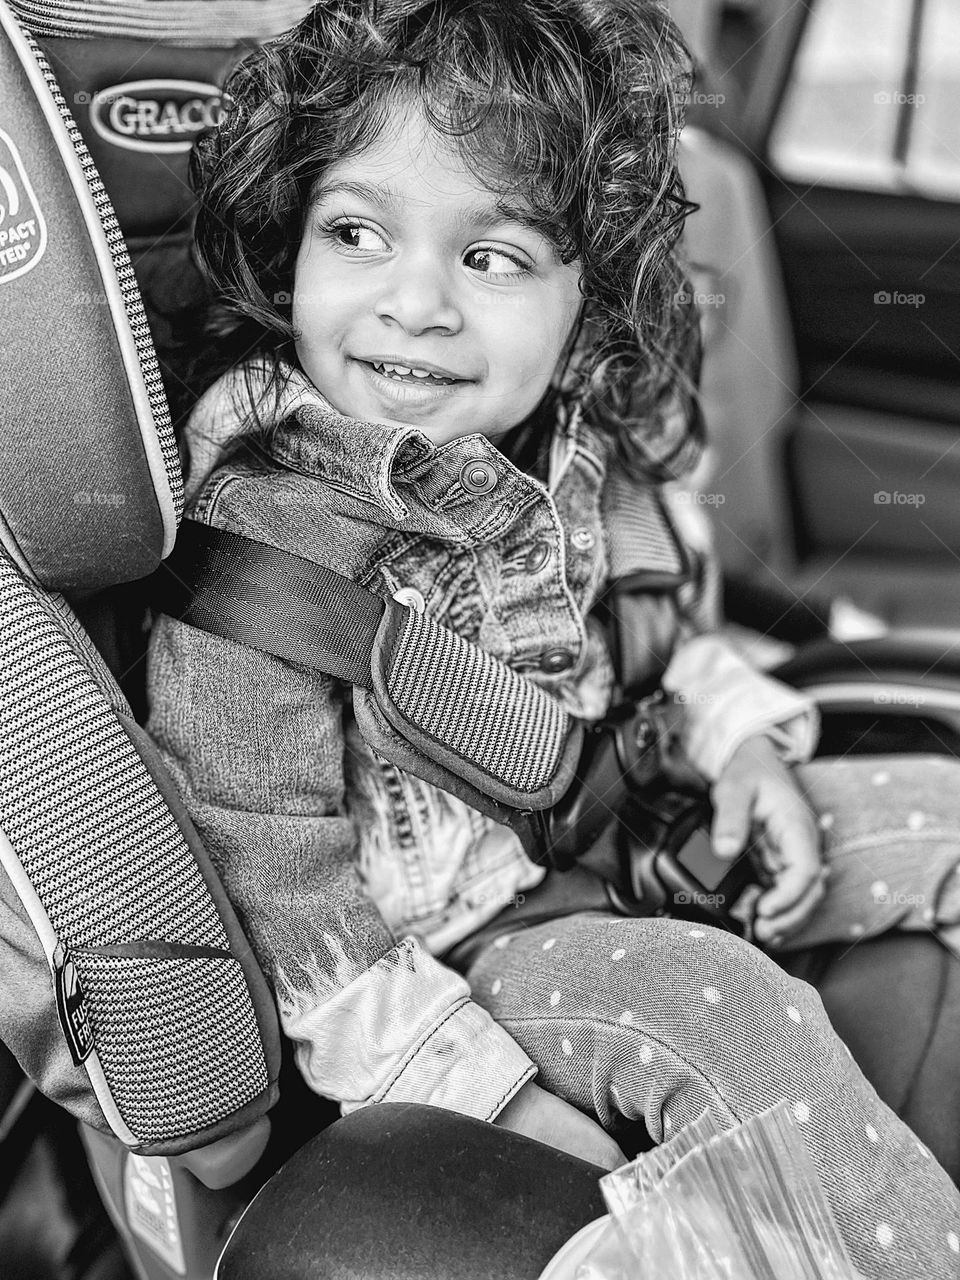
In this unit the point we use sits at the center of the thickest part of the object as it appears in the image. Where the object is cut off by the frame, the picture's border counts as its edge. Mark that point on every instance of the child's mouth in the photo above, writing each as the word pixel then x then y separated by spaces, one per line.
pixel 421 377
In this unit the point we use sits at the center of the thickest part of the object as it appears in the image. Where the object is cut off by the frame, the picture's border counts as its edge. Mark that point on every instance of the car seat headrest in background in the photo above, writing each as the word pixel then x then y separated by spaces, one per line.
pixel 142 78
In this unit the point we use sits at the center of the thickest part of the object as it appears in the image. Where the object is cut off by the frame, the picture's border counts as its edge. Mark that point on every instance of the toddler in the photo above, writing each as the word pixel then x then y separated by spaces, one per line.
pixel 455 348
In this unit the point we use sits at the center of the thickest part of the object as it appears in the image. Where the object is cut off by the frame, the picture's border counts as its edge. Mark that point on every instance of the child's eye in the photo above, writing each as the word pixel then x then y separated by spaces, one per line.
pixel 355 231
pixel 349 234
pixel 488 255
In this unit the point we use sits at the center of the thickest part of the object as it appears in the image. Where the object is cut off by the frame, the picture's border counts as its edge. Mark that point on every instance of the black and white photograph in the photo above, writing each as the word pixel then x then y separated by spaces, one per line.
pixel 479 640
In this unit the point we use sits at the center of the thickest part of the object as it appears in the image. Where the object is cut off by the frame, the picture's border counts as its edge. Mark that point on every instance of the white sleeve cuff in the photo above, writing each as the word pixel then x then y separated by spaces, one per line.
pixel 406 1030
pixel 725 702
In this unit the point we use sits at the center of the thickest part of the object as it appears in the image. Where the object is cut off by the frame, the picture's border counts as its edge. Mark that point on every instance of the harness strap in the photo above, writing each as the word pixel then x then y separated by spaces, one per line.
pixel 272 600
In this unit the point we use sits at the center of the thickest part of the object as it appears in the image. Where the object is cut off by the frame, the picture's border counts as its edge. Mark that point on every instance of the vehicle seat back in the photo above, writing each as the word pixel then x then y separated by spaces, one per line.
pixel 749 370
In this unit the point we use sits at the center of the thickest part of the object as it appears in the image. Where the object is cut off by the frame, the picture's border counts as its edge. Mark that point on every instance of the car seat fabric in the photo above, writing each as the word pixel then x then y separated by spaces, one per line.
pixel 174 22
pixel 167 1002
pixel 63 518
pixel 127 990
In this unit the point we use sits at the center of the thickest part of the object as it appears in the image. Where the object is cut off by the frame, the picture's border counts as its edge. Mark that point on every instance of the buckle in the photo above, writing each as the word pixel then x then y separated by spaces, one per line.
pixel 670 866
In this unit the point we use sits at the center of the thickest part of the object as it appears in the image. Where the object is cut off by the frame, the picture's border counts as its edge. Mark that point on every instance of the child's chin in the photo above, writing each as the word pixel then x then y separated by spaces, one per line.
pixel 437 430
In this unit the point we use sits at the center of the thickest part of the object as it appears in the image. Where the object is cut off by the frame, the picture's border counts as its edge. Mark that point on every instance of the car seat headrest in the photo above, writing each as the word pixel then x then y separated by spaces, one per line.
pixel 90 482
pixel 90 485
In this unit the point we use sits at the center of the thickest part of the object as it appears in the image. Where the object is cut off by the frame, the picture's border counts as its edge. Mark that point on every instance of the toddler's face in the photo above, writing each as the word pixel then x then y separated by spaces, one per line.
pixel 406 260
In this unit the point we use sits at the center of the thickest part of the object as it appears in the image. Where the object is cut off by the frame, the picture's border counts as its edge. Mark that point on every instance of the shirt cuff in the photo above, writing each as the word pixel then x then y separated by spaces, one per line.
pixel 725 702
pixel 406 1030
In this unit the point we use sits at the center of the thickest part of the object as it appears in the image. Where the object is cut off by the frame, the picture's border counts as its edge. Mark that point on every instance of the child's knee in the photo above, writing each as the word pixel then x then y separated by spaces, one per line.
pixel 712 1023
pixel 705 989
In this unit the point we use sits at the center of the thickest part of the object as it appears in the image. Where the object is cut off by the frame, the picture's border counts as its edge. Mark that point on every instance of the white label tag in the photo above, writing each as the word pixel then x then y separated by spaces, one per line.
pixel 152 1208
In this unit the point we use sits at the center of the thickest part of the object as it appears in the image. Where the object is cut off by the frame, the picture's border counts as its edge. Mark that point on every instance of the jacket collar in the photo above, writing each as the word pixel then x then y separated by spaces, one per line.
pixel 398 467
pixel 375 462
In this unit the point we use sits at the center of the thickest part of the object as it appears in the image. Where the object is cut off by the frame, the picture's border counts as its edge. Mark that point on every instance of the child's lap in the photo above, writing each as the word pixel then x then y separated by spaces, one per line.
pixel 890 830
pixel 661 1019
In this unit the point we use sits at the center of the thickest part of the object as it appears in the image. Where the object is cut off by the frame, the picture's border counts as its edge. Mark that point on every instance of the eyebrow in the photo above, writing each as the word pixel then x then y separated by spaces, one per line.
pixel 483 216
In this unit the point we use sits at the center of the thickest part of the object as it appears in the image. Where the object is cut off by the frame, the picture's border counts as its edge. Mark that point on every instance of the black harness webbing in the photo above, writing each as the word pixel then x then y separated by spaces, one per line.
pixel 273 600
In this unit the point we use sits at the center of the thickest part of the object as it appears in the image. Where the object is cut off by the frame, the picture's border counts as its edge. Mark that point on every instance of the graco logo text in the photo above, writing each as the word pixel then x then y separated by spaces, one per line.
pixel 154 115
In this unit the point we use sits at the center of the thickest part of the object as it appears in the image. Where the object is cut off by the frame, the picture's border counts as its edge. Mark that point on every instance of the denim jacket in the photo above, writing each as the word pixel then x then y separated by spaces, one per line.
pixel 350 875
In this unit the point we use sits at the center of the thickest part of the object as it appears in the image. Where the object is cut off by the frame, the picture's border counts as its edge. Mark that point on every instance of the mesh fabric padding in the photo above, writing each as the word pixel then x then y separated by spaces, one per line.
pixel 211 1037
pixel 490 715
pixel 111 867
pixel 183 22
pixel 72 782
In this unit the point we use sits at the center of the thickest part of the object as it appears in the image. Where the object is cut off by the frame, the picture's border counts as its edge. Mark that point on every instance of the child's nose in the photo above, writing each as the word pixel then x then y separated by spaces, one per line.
pixel 420 295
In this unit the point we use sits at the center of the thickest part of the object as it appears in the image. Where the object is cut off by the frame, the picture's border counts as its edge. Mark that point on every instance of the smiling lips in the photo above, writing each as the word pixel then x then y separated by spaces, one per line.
pixel 413 373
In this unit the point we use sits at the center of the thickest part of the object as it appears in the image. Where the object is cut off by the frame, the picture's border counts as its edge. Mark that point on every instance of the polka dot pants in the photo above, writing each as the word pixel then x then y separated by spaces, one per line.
pixel 661 1019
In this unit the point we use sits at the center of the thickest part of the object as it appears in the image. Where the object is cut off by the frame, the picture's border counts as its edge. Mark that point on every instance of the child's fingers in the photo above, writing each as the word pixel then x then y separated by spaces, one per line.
pixel 732 816
pixel 771 928
pixel 797 862
pixel 792 885
pixel 790 835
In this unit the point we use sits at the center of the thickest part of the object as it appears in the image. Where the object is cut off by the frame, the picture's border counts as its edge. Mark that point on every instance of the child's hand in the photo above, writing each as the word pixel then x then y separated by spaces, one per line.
pixel 756 787
pixel 549 1119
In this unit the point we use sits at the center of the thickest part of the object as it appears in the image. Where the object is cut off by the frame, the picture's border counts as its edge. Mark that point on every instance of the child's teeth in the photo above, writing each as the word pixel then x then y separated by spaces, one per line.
pixel 400 370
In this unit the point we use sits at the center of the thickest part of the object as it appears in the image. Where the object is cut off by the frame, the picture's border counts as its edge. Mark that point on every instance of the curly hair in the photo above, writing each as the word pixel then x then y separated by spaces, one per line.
pixel 576 104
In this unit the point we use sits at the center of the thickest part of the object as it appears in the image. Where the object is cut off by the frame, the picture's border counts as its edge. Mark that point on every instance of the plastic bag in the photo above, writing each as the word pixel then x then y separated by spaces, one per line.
pixel 745 1204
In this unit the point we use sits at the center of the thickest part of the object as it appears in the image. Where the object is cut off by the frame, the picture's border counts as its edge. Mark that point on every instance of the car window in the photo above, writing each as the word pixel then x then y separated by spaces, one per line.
pixel 874 98
pixel 933 161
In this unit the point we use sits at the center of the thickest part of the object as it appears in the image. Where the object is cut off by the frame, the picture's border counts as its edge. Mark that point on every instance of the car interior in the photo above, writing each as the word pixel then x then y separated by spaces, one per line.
pixel 818 398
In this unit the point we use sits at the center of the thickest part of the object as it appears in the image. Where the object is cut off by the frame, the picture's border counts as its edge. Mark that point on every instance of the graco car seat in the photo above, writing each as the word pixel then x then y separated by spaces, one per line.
pixel 386 1190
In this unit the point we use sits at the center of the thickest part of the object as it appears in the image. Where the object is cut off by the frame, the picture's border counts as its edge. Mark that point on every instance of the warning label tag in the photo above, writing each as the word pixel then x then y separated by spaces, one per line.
pixel 151 1206
pixel 23 232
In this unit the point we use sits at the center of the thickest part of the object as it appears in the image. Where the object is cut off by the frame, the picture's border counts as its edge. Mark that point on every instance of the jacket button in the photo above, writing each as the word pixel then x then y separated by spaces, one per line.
pixel 410 597
pixel 583 538
pixel 537 557
pixel 556 660
pixel 478 476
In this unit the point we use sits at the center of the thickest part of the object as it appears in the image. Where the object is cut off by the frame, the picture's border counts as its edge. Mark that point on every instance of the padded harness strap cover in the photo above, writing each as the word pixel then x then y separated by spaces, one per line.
pixel 432 703
pixel 428 700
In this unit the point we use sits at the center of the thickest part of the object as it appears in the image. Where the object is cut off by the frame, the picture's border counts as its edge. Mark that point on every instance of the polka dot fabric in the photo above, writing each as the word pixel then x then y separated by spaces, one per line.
pixel 890 832
pixel 659 1020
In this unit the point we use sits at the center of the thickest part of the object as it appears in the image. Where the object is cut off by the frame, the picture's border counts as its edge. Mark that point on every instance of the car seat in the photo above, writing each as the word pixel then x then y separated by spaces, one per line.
pixel 461 1195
